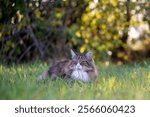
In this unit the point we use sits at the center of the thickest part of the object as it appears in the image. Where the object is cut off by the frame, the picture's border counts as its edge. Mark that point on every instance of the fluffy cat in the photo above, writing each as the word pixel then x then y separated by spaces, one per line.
pixel 80 67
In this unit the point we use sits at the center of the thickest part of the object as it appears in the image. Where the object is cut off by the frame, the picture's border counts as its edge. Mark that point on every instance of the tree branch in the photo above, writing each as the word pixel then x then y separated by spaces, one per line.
pixel 22 55
pixel 30 31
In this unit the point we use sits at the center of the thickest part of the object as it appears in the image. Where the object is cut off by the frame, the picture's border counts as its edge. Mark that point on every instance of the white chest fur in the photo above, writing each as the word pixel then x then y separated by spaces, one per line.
pixel 80 75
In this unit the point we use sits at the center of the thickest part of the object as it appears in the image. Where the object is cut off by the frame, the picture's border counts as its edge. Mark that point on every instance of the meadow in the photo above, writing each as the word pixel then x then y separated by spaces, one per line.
pixel 129 81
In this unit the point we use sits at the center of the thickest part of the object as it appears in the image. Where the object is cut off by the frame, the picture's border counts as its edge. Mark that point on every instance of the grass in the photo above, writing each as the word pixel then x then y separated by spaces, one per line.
pixel 130 81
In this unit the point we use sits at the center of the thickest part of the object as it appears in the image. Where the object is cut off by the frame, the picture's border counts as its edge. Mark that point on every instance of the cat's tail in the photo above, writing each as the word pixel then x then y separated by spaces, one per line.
pixel 43 76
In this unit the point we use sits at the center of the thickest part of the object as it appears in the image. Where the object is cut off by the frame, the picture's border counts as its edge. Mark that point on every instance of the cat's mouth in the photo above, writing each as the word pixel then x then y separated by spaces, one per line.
pixel 80 69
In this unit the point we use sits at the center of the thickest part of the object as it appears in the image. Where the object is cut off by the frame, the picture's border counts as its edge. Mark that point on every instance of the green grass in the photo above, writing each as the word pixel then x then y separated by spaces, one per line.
pixel 114 82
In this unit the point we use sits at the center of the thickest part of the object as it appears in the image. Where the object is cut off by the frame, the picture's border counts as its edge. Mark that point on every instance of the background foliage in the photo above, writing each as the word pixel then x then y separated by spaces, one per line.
pixel 116 30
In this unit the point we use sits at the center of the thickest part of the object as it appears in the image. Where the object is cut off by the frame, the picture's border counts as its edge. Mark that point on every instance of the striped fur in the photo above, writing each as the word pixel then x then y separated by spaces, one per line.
pixel 81 67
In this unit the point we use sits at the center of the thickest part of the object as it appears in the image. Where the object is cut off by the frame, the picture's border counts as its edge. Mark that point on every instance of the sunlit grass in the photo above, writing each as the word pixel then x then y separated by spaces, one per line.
pixel 114 82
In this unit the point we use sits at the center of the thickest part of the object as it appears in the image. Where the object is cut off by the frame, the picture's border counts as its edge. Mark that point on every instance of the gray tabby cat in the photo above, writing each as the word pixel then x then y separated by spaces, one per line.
pixel 81 67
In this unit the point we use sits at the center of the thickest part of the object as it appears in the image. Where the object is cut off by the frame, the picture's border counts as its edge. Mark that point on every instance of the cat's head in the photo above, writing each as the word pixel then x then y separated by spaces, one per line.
pixel 82 61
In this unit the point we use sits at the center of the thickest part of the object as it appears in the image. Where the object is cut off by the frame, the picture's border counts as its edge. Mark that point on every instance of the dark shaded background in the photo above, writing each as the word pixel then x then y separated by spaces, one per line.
pixel 115 30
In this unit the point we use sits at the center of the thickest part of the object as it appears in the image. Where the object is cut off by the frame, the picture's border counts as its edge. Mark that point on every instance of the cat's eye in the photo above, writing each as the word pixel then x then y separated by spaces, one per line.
pixel 85 63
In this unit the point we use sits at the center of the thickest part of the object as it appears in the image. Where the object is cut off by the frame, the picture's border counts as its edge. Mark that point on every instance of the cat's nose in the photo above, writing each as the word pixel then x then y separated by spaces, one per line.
pixel 79 66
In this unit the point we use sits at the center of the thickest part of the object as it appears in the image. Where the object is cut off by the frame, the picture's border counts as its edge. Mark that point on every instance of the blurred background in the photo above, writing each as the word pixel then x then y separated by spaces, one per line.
pixel 115 30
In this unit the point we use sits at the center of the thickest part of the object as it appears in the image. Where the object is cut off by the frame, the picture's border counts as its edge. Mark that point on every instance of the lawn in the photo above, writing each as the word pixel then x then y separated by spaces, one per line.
pixel 130 81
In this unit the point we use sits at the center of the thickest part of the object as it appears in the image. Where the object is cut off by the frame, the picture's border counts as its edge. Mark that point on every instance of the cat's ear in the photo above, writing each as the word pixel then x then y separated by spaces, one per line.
pixel 89 55
pixel 73 54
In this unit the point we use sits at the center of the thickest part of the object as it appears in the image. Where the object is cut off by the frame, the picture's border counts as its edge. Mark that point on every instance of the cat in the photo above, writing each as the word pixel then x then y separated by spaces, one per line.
pixel 80 67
